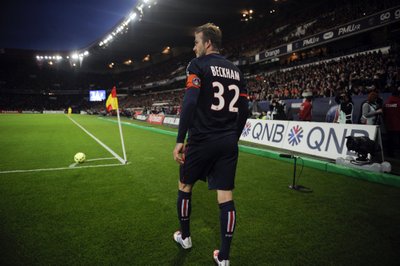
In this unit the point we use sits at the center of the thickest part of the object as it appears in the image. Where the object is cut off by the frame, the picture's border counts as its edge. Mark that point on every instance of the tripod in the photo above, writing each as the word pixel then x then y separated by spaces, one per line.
pixel 293 185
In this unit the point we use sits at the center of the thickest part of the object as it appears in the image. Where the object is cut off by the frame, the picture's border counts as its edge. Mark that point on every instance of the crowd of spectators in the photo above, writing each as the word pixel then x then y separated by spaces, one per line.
pixel 164 70
pixel 350 74
pixel 166 102
pixel 271 30
pixel 353 75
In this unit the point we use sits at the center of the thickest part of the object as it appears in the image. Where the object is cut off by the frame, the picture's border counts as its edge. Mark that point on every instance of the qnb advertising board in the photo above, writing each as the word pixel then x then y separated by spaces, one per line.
pixel 327 140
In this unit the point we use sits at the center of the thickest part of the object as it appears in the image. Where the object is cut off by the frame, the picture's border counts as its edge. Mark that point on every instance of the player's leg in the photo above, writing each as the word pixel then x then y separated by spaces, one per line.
pixel 224 196
pixel 193 169
pixel 227 220
pixel 184 207
pixel 222 178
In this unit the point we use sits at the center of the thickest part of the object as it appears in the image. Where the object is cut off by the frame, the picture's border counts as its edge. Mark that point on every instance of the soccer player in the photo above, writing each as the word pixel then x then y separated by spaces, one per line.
pixel 214 112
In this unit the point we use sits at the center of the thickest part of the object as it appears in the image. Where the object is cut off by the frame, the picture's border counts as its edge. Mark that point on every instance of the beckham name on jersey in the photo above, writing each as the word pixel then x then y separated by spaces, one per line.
pixel 218 71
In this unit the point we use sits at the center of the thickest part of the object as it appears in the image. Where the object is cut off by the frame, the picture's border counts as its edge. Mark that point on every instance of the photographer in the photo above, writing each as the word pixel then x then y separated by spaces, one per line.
pixel 371 111
pixel 345 110
pixel 278 109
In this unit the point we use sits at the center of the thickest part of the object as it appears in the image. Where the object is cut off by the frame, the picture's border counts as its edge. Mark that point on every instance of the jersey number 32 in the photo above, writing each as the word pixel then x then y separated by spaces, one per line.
pixel 221 100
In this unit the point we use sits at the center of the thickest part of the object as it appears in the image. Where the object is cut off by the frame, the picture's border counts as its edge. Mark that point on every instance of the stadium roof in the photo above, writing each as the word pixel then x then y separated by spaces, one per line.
pixel 171 23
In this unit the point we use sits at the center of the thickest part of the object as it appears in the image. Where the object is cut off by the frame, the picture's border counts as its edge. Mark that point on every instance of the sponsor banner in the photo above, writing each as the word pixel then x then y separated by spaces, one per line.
pixel 140 117
pixel 326 140
pixel 172 121
pixel 156 119
pixel 53 112
pixel 31 112
pixel 266 132
pixel 9 112
pixel 272 53
pixel 357 26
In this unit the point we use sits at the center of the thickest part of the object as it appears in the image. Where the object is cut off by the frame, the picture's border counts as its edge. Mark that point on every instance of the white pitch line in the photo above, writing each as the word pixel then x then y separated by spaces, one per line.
pixel 98 141
pixel 100 159
pixel 92 160
pixel 60 168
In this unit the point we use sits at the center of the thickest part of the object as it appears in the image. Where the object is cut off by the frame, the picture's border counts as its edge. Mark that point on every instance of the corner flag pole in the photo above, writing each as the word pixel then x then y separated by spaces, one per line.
pixel 122 136
pixel 112 104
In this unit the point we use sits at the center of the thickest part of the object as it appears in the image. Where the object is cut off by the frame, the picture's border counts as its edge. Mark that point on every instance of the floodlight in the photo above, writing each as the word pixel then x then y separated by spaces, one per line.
pixel 133 15
pixel 166 50
pixel 146 58
pixel 75 56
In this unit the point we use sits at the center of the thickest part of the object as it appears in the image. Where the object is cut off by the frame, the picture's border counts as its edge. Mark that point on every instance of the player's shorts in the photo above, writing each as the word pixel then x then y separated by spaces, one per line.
pixel 214 160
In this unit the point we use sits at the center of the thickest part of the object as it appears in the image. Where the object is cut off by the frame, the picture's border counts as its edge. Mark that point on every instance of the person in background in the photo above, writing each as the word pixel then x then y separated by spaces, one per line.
pixel 306 108
pixel 370 114
pixel 345 110
pixel 391 116
pixel 278 110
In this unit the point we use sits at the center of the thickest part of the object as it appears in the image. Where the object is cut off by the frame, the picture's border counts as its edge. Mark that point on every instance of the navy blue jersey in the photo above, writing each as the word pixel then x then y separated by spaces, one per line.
pixel 215 102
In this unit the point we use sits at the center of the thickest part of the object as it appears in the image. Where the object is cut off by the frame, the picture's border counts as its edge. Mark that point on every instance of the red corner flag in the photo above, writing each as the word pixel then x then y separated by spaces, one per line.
pixel 112 100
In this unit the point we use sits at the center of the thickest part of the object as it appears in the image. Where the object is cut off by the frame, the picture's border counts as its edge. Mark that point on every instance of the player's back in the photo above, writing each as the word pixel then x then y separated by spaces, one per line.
pixel 221 85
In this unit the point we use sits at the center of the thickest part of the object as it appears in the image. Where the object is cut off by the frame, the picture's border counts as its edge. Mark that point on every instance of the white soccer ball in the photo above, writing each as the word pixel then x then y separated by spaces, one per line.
pixel 80 157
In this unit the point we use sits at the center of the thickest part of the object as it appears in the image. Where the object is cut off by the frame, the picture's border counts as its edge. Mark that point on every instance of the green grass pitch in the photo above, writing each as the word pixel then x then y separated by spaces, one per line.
pixel 126 214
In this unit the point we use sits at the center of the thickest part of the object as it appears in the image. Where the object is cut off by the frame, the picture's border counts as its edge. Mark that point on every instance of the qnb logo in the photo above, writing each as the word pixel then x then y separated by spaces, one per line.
pixel 246 129
pixel 295 135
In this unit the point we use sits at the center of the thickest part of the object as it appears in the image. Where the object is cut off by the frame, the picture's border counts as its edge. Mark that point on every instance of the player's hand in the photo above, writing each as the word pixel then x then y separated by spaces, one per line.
pixel 179 153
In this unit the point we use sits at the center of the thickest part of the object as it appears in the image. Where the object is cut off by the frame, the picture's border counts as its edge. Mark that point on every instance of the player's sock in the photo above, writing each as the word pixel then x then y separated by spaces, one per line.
pixel 228 222
pixel 184 207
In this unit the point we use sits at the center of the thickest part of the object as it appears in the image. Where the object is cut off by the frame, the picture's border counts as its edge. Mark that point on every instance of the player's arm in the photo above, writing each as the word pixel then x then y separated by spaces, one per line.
pixel 188 109
pixel 243 112
pixel 193 84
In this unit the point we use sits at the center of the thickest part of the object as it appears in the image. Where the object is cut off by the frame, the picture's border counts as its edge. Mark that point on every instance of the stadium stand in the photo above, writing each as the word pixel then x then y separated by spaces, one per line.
pixel 277 81
pixel 324 70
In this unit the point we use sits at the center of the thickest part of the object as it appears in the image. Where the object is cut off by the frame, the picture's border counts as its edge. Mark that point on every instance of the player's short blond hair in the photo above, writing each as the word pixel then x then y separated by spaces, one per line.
pixel 212 33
